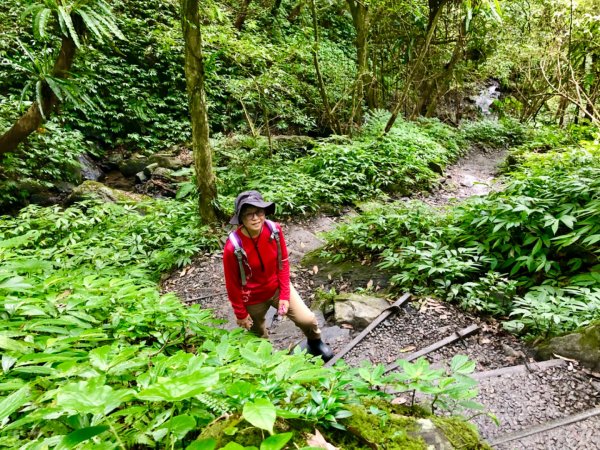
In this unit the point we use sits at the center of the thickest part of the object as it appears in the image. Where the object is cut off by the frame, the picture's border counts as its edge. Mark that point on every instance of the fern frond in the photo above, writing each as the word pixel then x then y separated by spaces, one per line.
pixel 91 23
pixel 33 9
pixel 24 93
pixel 109 22
pixel 39 97
pixel 216 405
pixel 69 24
pixel 55 87
pixel 40 22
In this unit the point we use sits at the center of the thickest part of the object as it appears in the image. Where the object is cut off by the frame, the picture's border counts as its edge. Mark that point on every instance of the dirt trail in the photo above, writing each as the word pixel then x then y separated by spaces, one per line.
pixel 519 400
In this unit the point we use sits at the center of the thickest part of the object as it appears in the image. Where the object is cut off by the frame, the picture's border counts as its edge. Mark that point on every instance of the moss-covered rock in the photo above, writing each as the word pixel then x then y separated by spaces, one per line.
pixel 94 189
pixel 584 346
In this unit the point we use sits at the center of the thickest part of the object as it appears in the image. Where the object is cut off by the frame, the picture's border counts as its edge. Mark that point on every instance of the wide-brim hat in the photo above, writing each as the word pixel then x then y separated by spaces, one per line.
pixel 250 198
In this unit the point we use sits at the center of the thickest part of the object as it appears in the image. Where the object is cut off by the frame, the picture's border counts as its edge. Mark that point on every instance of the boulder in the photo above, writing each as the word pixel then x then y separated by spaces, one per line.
pixel 94 189
pixel 166 161
pixel 583 346
pixel 129 167
pixel 434 437
pixel 358 310
pixel 88 169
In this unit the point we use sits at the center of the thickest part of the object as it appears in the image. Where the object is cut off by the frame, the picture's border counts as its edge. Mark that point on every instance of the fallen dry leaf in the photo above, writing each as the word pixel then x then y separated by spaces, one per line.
pixel 315 270
pixel 183 272
pixel 399 401
pixel 317 440
pixel 370 284
pixel 410 348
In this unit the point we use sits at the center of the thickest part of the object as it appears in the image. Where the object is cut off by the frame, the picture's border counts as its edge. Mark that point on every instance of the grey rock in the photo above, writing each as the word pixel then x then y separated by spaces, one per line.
pixel 150 168
pixel 89 170
pixel 141 176
pixel 433 437
pixel 132 166
pixel 163 172
pixel 584 346
pixel 358 310
pixel 166 161
pixel 95 189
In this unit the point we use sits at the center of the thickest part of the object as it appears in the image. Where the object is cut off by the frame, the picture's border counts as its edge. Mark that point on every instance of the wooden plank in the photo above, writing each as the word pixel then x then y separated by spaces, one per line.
pixel 384 315
pixel 515 435
pixel 533 367
pixel 437 345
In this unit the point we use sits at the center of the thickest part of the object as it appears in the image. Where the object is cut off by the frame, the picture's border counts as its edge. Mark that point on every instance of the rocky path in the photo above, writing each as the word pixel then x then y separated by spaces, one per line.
pixel 520 393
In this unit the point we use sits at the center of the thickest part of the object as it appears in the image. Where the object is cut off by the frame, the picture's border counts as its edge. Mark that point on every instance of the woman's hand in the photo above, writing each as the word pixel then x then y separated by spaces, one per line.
pixel 284 306
pixel 245 323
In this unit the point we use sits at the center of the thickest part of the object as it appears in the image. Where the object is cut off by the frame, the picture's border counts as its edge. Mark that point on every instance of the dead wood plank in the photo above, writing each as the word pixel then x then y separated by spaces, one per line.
pixel 384 315
pixel 437 345
pixel 518 369
pixel 515 435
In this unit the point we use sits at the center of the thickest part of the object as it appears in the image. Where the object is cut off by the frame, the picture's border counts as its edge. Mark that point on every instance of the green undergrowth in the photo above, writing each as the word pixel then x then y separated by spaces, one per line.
pixel 341 171
pixel 94 356
pixel 528 253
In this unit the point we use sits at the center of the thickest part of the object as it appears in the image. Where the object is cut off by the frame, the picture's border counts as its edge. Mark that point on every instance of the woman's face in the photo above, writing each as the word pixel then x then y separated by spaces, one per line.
pixel 253 219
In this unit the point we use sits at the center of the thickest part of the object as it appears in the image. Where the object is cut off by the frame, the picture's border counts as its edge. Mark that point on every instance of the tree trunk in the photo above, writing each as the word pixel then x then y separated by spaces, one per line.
pixel 194 76
pixel 429 98
pixel 241 17
pixel 435 9
pixel 32 118
pixel 360 18
pixel 295 12
pixel 331 120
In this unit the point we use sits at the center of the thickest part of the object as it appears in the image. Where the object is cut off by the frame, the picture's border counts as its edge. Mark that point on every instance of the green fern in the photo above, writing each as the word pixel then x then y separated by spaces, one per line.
pixel 216 405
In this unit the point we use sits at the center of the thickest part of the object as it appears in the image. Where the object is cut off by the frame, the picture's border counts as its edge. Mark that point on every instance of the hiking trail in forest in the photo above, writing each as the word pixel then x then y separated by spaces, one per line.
pixel 551 405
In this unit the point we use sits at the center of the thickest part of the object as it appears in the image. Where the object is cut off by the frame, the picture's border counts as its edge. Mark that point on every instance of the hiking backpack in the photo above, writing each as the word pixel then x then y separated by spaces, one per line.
pixel 240 253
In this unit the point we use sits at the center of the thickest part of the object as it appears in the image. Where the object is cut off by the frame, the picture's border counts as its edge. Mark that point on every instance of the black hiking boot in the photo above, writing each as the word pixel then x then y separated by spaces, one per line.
pixel 317 347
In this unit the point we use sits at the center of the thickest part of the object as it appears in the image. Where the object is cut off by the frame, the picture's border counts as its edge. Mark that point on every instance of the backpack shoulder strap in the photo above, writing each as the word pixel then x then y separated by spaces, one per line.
pixel 275 235
pixel 239 253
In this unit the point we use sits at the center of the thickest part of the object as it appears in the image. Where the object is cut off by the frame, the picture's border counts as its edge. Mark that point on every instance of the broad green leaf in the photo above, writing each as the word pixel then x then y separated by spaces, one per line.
pixel 9 344
pixel 175 389
pixel 204 444
pixel 461 364
pixel 15 284
pixel 91 396
pixel 260 413
pixel 76 437
pixel 276 442
pixel 180 425
pixel 234 446
pixel 13 402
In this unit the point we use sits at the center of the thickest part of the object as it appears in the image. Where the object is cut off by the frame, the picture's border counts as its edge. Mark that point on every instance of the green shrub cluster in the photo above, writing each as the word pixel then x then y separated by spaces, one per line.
pixel 49 155
pixel 407 160
pixel 94 356
pixel 503 133
pixel 529 251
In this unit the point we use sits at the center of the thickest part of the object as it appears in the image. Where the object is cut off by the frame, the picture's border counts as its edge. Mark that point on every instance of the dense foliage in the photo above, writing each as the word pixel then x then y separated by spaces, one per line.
pixel 529 250
pixel 93 354
pixel 340 171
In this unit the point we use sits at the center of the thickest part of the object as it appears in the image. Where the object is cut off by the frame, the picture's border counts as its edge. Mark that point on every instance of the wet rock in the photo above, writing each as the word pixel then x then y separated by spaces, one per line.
pixel 358 310
pixel 584 346
pixel 88 170
pixel 94 189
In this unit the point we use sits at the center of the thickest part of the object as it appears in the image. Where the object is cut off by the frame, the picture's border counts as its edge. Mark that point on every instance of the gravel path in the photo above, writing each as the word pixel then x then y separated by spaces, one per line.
pixel 518 400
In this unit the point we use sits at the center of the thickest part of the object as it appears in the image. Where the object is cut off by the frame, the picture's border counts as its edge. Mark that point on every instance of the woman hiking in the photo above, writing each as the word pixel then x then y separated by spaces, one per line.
pixel 257 273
